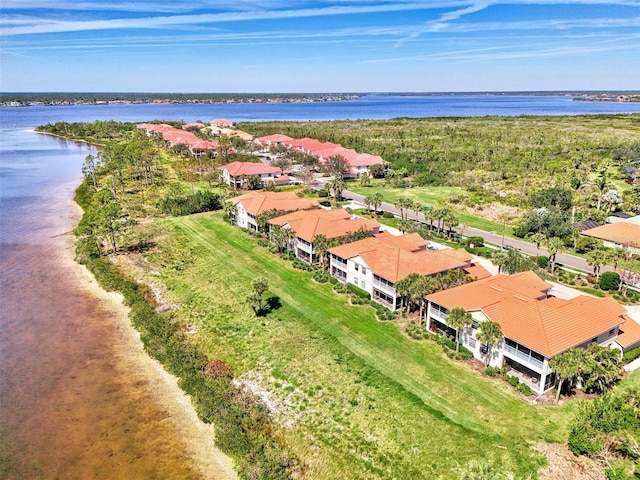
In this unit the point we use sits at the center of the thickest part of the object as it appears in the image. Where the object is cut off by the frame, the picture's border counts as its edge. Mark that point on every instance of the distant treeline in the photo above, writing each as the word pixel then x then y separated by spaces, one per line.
pixel 30 99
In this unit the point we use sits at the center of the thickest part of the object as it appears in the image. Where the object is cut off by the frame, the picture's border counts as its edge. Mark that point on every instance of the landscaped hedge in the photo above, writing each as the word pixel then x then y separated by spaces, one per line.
pixel 631 355
pixel 358 291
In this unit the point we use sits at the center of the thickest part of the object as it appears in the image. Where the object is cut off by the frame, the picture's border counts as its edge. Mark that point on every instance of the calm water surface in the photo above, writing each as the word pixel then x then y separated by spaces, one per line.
pixel 72 404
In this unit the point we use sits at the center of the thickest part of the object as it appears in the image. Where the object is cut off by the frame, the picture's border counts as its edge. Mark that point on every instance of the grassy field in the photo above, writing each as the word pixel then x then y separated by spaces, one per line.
pixel 435 197
pixel 354 397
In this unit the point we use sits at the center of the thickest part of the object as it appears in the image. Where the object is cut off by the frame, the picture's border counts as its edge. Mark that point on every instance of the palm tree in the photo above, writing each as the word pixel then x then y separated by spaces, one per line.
pixel 459 319
pixel 337 185
pixel 570 365
pixel 376 201
pixel 554 246
pixel 500 258
pixel 449 220
pixel 596 258
pixel 490 334
pixel 404 288
pixel 368 201
pixel 537 239
pixel 422 287
pixel 607 369
pixel 403 204
pixel 320 246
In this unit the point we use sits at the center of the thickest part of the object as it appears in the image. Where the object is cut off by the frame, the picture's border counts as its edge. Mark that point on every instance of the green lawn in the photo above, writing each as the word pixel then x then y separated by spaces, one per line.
pixel 435 197
pixel 353 396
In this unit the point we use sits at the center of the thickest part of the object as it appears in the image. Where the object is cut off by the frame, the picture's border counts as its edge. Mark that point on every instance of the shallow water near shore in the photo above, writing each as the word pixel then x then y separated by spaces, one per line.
pixel 78 396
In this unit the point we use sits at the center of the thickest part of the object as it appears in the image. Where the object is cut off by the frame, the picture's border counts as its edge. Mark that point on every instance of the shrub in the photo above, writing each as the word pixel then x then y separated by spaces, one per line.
pixel 524 389
pixel 323 193
pixel 333 280
pixel 492 371
pixel 512 379
pixel 542 261
pixel 446 342
pixel 358 291
pixel 356 300
pixel 320 276
pixel 300 265
pixel 476 241
pixel 263 242
pixel 609 281
pixel 382 312
pixel 631 355
pixel 388 215
pixel 202 201
pixel 416 331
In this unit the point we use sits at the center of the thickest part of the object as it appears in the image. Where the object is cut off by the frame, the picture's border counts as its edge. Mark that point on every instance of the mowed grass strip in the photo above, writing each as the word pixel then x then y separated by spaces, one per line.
pixel 446 403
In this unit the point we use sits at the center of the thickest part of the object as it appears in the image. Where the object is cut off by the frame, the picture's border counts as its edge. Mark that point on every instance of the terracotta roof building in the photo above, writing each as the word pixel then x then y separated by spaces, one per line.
pixel 252 204
pixel 334 223
pixel 375 264
pixel 536 326
pixel 619 234
pixel 235 174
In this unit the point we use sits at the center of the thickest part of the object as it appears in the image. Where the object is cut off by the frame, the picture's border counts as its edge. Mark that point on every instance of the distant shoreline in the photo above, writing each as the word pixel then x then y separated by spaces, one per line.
pixel 71 99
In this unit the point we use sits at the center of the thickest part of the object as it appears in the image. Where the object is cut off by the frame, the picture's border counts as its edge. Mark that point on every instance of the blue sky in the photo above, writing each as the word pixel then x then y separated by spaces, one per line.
pixel 318 46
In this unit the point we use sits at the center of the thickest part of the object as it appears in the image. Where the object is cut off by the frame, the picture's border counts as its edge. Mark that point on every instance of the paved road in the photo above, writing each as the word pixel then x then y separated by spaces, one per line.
pixel 492 237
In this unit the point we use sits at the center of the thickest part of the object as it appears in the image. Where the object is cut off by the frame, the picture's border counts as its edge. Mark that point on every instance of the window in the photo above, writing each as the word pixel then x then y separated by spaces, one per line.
pixel 472 342
pixel 364 270
pixel 356 267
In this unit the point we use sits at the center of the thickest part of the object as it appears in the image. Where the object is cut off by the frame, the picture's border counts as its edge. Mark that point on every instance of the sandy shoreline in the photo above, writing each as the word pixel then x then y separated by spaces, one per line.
pixel 197 436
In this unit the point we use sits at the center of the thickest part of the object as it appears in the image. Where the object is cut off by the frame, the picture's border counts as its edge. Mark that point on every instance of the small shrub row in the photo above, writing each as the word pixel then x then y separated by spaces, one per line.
pixel 321 276
pixel 418 332
pixel 358 291
pixel 631 355
pixel 356 300
pixel 382 312
pixel 198 202
pixel 495 371
pixel 300 265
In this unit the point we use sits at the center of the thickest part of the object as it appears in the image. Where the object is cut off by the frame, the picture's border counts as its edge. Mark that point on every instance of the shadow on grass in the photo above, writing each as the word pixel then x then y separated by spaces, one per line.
pixel 272 302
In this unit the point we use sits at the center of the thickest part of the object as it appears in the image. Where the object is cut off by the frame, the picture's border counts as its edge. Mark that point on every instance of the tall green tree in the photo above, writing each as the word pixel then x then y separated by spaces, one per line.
pixel 459 319
pixel 607 369
pixel 554 246
pixel 320 246
pixel 259 286
pixel 596 259
pixel 490 334
pixel 570 366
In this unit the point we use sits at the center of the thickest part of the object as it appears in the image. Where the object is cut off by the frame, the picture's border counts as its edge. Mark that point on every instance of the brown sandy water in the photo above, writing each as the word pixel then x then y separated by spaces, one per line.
pixel 79 398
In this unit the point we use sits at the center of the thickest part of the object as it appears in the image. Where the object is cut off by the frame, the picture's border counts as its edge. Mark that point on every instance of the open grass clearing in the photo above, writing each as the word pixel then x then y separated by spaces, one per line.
pixel 354 397
pixel 435 197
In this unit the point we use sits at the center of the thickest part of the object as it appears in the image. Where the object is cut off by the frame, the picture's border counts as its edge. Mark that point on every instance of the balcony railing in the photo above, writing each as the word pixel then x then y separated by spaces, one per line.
pixel 384 287
pixel 525 356
pixel 438 315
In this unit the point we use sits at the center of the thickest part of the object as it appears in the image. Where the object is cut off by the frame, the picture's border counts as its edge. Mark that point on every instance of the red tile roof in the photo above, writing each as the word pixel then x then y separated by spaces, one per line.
pixel 395 257
pixel 623 233
pixel 248 168
pixel 331 223
pixel 629 333
pixel 519 304
pixel 258 202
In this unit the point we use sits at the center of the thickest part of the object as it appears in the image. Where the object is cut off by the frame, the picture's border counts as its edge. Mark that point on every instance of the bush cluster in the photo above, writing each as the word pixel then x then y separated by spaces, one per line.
pixel 321 276
pixel 418 332
pixel 609 281
pixel 201 201
pixel 300 265
pixel 382 312
pixel 631 355
pixel 358 291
